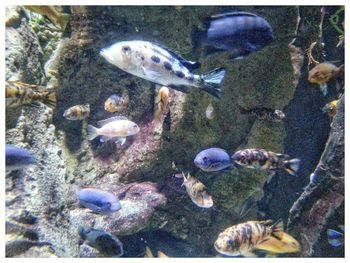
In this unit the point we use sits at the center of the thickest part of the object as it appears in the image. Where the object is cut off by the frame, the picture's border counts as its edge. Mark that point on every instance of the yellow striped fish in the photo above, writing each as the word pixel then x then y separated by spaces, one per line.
pixel 19 93
pixel 244 238
pixel 77 112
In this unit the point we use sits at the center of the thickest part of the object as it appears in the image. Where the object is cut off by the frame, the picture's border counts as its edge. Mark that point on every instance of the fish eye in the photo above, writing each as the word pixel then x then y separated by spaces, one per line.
pixel 108 204
pixel 126 48
pixel 230 241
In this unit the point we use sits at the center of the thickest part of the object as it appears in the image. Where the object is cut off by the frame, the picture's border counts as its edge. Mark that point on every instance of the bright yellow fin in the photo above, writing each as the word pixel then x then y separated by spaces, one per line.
pixel 148 253
pixel 162 255
pixel 271 244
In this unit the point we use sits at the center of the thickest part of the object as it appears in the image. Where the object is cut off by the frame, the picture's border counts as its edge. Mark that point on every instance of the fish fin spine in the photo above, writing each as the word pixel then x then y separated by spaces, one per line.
pixel 92 132
pixel 292 166
pixel 211 81
pixel 49 98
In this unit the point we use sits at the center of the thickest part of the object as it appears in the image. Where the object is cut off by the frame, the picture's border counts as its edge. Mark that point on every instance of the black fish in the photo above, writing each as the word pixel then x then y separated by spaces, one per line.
pixel 240 32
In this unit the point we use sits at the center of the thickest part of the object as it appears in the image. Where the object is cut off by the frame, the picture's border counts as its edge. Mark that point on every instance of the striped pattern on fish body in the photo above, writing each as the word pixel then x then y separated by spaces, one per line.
pixel 115 103
pixel 19 93
pixel 263 113
pixel 265 160
pixel 244 238
pixel 159 65
pixel 197 191
pixel 77 112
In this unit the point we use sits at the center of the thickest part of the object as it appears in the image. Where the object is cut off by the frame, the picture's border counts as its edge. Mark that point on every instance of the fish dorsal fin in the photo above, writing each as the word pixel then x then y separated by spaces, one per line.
pixel 277 229
pixel 115 118
pixel 236 13
pixel 190 65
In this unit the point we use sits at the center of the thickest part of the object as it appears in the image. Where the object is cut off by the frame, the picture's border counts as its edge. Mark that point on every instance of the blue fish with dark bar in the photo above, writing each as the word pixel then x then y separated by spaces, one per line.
pixel 240 32
pixel 162 66
pixel 98 201
pixel 18 158
pixel 212 160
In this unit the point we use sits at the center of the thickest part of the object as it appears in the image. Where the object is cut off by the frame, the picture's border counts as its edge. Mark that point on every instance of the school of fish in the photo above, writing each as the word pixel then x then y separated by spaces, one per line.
pixel 237 32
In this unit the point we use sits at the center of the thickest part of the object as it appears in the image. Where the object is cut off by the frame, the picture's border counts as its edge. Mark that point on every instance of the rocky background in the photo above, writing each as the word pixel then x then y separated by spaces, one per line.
pixel 42 215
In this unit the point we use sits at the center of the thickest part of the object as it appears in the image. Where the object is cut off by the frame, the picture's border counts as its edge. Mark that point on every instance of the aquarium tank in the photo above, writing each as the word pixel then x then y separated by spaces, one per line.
pixel 174 131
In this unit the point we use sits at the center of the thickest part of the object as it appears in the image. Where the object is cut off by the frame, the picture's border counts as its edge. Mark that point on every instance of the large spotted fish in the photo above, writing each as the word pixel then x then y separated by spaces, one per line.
pixel 244 238
pixel 162 66
pixel 265 160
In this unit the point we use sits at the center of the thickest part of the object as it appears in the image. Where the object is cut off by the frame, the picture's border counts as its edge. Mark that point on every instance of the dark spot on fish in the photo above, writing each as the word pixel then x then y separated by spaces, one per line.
pixel 126 48
pixel 155 59
pixel 142 58
pixel 167 65
pixel 180 74
pixel 190 77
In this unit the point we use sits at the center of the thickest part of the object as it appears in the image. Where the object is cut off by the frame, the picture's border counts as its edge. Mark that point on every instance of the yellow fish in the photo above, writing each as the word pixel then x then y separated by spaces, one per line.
pixel 19 93
pixel 163 99
pixel 77 112
pixel 57 18
pixel 323 72
pixel 115 103
pixel 331 108
pixel 197 191
pixel 244 238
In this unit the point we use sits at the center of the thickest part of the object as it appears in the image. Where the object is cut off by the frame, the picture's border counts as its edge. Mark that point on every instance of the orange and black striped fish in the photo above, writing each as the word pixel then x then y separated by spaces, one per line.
pixel 244 238
pixel 19 93
pixel 265 160
pixel 77 112
pixel 263 113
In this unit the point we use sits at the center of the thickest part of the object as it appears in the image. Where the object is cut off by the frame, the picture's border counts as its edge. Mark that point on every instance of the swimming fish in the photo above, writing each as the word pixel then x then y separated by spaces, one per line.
pixel 77 112
pixel 18 158
pixel 116 128
pixel 212 160
pixel 163 99
pixel 115 103
pixel 336 238
pixel 197 191
pixel 331 108
pixel 244 238
pixel 57 18
pixel 160 65
pixel 103 241
pixel 265 160
pixel 210 112
pixel 239 32
pixel 19 93
pixel 323 72
pixel 263 113
pixel 98 201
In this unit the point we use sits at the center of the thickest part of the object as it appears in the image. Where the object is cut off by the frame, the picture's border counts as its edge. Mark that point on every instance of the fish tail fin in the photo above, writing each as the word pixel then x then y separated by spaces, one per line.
pixel 212 81
pixel 92 132
pixel 64 18
pixel 277 227
pixel 292 166
pixel 49 98
pixel 335 238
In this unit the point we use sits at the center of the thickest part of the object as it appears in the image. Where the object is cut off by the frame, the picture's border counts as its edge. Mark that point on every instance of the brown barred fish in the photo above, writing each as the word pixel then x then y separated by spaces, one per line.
pixel 77 112
pixel 244 238
pixel 263 113
pixel 163 99
pixel 197 191
pixel 19 93
pixel 115 103
pixel 264 160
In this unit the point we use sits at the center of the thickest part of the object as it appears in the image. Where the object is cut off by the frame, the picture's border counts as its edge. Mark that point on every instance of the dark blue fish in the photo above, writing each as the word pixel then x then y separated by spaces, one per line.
pixel 240 32
pixel 103 241
pixel 212 160
pixel 18 158
pixel 98 201
pixel 335 238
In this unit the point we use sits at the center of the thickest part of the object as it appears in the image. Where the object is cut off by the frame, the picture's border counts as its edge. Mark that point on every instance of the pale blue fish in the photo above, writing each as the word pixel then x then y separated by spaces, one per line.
pixel 98 201
pixel 212 160
pixel 18 158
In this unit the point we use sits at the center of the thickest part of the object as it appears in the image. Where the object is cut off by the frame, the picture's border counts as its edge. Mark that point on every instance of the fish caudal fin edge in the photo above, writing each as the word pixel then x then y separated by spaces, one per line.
pixel 92 132
pixel 292 166
pixel 211 82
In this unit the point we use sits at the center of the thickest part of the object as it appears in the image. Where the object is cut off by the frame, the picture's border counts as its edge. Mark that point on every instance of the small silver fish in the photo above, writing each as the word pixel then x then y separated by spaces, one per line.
pixel 162 66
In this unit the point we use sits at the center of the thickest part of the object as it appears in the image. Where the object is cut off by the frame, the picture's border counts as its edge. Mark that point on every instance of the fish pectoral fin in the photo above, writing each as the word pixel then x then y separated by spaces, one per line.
pixel 248 254
pixel 271 244
pixel 120 140
pixel 115 118
pixel 151 73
